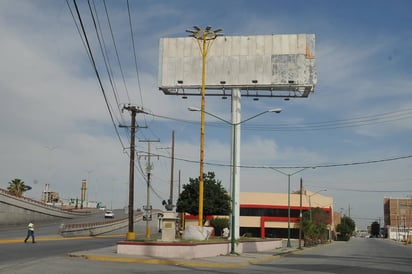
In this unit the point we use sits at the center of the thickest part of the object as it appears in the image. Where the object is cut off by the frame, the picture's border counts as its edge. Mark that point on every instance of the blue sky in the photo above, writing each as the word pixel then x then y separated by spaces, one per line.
pixel 56 128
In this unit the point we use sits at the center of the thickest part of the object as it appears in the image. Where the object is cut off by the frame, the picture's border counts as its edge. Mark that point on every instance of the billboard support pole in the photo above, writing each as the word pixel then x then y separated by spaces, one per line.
pixel 235 186
pixel 204 39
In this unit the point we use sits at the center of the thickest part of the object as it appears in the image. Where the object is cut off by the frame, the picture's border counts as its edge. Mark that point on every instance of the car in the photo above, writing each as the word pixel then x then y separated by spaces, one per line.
pixel 108 214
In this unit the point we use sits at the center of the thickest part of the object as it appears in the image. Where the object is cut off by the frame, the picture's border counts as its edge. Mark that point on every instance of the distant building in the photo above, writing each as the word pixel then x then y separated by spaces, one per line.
pixel 398 218
pixel 49 197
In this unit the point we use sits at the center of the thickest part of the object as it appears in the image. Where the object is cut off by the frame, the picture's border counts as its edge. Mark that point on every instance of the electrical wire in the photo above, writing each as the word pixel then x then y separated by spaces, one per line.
pixel 361 121
pixel 97 72
pixel 78 30
pixel 134 53
pixel 291 167
pixel 364 190
pixel 105 55
pixel 116 51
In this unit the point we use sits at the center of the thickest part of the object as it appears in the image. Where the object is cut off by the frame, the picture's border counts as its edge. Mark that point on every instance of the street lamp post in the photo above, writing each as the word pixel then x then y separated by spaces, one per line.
pixel 204 39
pixel 234 164
pixel 289 175
pixel 310 204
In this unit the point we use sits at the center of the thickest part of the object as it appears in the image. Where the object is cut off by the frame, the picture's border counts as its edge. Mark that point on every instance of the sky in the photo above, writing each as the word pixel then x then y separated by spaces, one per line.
pixel 56 127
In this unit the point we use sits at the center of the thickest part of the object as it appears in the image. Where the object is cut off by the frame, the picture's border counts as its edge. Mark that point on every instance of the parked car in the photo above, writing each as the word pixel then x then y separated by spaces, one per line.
pixel 108 214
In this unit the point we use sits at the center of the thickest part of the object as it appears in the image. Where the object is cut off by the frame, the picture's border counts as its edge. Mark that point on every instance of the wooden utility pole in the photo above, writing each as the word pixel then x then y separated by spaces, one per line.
pixel 133 110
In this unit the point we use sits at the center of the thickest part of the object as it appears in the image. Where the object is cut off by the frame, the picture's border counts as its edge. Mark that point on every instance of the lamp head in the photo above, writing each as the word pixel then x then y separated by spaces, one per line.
pixel 193 109
pixel 275 110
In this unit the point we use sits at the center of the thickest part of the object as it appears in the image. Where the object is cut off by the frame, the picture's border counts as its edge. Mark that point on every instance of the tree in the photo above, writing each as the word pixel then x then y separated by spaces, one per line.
pixel 17 187
pixel 345 229
pixel 375 229
pixel 314 226
pixel 216 201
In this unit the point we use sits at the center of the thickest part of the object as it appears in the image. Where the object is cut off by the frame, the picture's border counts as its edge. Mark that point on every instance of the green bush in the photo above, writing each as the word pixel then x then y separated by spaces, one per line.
pixel 219 224
pixel 343 237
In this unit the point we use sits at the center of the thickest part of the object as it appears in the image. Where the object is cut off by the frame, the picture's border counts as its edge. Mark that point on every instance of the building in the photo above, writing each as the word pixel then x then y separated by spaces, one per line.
pixel 398 218
pixel 266 214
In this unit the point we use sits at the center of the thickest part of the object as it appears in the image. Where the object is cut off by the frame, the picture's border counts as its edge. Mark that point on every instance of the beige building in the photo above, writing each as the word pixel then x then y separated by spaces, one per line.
pixel 266 214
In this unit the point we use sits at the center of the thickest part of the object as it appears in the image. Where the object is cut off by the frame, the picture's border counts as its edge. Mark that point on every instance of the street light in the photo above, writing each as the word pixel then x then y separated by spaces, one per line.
pixel 310 204
pixel 204 39
pixel 234 166
pixel 289 175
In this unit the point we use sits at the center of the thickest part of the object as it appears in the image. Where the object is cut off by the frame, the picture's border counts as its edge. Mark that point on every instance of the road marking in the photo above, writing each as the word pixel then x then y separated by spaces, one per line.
pixel 43 239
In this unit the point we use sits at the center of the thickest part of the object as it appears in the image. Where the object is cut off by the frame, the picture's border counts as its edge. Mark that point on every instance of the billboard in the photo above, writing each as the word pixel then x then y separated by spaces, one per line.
pixel 265 63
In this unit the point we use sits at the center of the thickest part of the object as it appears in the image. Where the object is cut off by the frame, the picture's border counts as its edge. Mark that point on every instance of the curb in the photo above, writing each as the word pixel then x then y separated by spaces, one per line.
pixel 188 263
pixel 177 262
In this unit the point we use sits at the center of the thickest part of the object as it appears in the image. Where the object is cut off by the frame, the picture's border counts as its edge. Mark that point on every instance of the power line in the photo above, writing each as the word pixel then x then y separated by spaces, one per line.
pixel 134 53
pixel 116 51
pixel 292 167
pixel 78 30
pixel 97 72
pixel 322 125
pixel 367 120
pixel 106 60
pixel 364 190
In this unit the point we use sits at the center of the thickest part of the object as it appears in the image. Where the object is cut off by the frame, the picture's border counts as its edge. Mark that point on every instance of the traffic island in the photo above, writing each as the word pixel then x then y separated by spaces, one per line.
pixel 195 249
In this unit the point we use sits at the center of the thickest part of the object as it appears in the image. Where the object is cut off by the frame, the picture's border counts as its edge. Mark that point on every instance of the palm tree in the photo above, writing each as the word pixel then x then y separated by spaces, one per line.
pixel 17 187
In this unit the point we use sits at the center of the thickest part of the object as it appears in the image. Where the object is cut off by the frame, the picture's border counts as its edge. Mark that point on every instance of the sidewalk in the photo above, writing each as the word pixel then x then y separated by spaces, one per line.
pixel 223 261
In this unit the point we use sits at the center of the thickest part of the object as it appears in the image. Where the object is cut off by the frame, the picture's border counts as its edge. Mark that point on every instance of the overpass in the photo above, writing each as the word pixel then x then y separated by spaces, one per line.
pixel 21 210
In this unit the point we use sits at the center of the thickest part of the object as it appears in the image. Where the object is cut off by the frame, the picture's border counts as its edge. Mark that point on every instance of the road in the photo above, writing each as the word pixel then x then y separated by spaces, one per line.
pixel 355 256
pixel 15 253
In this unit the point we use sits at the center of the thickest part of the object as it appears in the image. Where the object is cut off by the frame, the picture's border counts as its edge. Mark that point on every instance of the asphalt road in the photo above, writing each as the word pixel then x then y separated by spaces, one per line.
pixel 14 252
pixel 356 256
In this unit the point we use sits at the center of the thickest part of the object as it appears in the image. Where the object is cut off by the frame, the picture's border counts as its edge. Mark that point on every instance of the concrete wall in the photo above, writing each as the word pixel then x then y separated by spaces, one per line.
pixel 94 229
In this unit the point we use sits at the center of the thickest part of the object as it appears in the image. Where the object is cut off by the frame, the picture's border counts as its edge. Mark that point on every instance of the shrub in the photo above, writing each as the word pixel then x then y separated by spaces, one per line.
pixel 219 224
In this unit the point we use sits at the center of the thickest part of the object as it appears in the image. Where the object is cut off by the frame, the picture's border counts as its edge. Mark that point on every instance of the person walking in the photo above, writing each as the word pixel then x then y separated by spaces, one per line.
pixel 30 232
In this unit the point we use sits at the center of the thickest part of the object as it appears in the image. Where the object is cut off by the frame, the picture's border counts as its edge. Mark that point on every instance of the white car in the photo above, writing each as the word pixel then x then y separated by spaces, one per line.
pixel 108 214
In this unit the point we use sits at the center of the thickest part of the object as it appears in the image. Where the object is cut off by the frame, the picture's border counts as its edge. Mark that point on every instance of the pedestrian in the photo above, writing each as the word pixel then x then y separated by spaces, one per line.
pixel 30 232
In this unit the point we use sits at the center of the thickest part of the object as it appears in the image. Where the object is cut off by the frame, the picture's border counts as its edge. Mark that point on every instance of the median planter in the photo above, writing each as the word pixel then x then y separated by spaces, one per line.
pixel 191 250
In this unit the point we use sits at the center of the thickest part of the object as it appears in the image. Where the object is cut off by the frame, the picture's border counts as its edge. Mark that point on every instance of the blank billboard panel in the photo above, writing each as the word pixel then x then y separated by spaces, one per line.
pixel 263 62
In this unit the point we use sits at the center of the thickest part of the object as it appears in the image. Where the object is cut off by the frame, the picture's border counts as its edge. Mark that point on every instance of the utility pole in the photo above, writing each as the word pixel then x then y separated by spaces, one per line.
pixel 148 208
pixel 179 185
pixel 131 235
pixel 300 215
pixel 171 171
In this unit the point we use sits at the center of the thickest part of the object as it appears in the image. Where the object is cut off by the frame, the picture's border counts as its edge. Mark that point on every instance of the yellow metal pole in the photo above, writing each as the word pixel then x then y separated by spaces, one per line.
pixel 204 39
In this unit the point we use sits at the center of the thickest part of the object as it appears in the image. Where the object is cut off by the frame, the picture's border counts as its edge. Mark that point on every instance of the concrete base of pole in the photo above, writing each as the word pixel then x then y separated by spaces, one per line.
pixel 130 236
